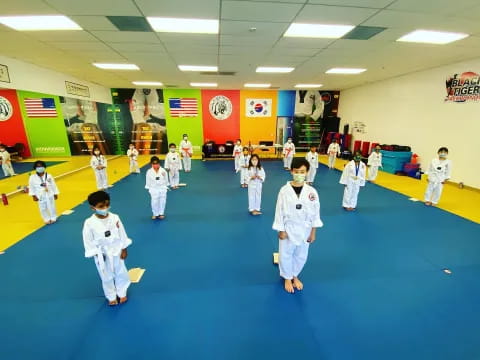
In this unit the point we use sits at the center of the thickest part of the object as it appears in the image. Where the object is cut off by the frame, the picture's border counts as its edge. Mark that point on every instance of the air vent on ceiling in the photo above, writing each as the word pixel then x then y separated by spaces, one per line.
pixel 219 73
pixel 363 32
pixel 130 23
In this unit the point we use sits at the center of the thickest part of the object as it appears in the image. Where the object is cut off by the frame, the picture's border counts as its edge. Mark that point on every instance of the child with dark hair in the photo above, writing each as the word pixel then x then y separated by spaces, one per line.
pixel 43 189
pixel 439 171
pixel 256 177
pixel 243 167
pixel 105 239
pixel 297 215
pixel 353 177
pixel 157 185
pixel 237 151
pixel 6 162
pixel 173 165
pixel 98 162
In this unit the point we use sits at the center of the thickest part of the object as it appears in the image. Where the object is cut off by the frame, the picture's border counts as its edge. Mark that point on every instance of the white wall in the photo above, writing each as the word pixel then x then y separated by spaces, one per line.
pixel 410 110
pixel 29 77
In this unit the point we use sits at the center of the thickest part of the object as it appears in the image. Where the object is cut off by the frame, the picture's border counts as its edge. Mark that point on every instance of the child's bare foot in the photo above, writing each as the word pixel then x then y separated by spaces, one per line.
pixel 289 286
pixel 297 283
pixel 113 303
pixel 154 217
pixel 161 217
pixel 428 203
pixel 123 300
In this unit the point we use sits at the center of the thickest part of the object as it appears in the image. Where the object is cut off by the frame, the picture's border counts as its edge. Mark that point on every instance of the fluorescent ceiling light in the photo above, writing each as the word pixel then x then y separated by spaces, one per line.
pixel 197 68
pixel 432 37
pixel 147 83
pixel 307 86
pixel 317 30
pixel 345 71
pixel 203 84
pixel 257 85
pixel 180 25
pixel 38 23
pixel 116 66
pixel 267 69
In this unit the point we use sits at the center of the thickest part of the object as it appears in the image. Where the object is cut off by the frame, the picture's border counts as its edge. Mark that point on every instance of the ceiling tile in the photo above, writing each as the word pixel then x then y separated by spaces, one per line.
pixel 317 14
pixel 26 7
pixel 94 23
pixel 204 9
pixel 95 7
pixel 67 36
pixel 141 47
pixel 126 36
pixel 259 11
pixel 375 4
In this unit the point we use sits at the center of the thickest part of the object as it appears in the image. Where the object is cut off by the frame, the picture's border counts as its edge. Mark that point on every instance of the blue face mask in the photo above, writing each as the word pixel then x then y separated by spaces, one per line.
pixel 40 170
pixel 102 212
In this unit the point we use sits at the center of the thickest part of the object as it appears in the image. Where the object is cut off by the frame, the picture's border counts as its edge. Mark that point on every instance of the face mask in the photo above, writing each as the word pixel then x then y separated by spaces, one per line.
pixel 299 178
pixel 97 152
pixel 156 166
pixel 173 150
pixel 289 141
pixel 40 169
pixel 185 138
pixel 443 155
pixel 102 212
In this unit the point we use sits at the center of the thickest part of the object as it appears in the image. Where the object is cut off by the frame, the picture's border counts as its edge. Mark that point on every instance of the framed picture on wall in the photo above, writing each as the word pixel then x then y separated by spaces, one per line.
pixel 4 75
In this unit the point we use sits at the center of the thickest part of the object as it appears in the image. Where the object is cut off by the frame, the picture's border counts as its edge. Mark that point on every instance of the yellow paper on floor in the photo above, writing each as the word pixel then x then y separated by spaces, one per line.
pixel 67 212
pixel 135 274
pixel 275 258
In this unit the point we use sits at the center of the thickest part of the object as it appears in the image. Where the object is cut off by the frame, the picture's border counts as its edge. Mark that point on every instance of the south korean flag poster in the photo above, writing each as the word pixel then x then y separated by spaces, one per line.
pixel 258 107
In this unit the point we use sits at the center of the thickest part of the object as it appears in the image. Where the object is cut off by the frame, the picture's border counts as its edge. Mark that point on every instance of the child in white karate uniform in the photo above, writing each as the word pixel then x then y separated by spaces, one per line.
pixel 105 239
pixel 98 162
pixel 288 152
pixel 157 185
pixel 297 215
pixel 173 165
pixel 256 177
pixel 353 177
pixel 6 162
pixel 244 161
pixel 237 151
pixel 374 162
pixel 439 171
pixel 132 154
pixel 186 150
pixel 332 151
pixel 43 189
pixel 312 158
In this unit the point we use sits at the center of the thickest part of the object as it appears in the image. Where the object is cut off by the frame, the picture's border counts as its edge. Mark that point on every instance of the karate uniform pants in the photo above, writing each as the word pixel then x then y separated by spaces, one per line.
pixel 254 196
pixel 158 201
pixel 101 177
pixel 350 196
pixel 174 176
pixel 8 170
pixel 434 191
pixel 48 211
pixel 311 174
pixel 115 279
pixel 287 162
pixel 292 258
pixel 187 163
pixel 243 176
pixel 372 172
pixel 237 162
pixel 331 160
pixel 134 166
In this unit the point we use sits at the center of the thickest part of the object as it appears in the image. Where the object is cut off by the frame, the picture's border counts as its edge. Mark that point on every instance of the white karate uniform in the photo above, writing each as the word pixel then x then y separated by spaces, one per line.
pixel 255 188
pixel 186 149
pixel 312 159
pixel 104 240
pixel 237 151
pixel 296 215
pixel 44 188
pixel 439 171
pixel 353 177
pixel 243 163
pixel 288 152
pixel 133 160
pixel 374 162
pixel 157 185
pixel 332 151
pixel 173 165
pixel 100 175
pixel 6 163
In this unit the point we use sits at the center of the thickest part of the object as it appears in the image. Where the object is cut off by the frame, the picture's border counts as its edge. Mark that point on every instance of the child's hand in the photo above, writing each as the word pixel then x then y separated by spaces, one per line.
pixel 55 196
pixel 282 235
pixel 124 254
pixel 35 198
pixel 311 239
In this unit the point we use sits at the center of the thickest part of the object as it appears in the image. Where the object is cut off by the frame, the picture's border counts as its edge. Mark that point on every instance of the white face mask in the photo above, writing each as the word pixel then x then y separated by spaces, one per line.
pixel 185 138
pixel 173 150
pixel 443 155
pixel 299 178
pixel 289 141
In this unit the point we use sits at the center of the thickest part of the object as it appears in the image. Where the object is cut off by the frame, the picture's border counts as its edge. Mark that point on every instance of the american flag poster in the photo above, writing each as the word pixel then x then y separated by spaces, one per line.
pixel 183 107
pixel 258 107
pixel 40 107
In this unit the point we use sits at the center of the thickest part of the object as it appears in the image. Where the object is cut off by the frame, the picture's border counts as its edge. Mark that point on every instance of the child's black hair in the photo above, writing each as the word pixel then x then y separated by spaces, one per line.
pixel 3 146
pixel 98 197
pixel 96 148
pixel 298 162
pixel 172 144
pixel 184 135
pixel 245 148
pixel 239 140
pixel 443 149
pixel 39 163
pixel 154 159
pixel 259 165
